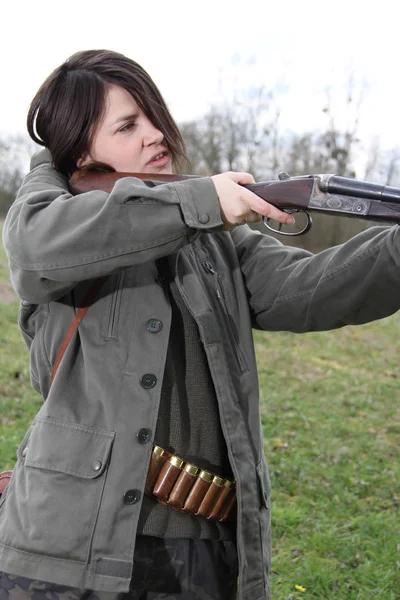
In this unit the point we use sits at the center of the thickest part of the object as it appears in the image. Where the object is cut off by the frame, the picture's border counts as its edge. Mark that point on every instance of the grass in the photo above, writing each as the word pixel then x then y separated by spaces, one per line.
pixel 331 419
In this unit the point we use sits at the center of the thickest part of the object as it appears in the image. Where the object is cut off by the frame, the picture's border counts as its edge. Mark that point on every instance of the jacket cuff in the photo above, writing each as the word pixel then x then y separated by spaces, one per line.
pixel 200 204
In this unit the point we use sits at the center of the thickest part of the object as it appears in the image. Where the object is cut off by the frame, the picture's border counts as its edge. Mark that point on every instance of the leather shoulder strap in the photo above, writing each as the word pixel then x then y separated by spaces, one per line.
pixel 80 313
pixel 94 289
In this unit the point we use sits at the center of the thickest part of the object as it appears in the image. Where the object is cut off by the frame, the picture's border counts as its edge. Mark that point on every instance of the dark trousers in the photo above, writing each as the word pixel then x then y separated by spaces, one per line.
pixel 163 568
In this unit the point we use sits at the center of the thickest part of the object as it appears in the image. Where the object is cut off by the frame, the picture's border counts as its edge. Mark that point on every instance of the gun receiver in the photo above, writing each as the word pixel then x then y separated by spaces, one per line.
pixel 326 193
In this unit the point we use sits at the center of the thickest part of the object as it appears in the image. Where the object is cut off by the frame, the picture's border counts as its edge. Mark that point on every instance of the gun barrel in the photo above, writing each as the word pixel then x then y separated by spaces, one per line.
pixel 334 184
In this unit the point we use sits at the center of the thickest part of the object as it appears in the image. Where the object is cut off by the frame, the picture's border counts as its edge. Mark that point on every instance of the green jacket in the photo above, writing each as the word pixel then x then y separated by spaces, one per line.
pixel 66 515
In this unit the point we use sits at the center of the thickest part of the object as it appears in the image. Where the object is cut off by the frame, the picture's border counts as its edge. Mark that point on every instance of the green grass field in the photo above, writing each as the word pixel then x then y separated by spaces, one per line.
pixel 331 418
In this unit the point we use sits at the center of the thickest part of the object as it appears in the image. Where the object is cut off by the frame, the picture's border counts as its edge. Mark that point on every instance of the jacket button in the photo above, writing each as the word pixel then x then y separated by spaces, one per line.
pixel 24 451
pixel 96 465
pixel 144 436
pixel 132 496
pixel 148 381
pixel 204 218
pixel 154 325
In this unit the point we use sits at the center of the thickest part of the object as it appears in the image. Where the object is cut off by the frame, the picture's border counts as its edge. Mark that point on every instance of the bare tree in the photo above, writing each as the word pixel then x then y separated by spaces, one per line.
pixel 14 155
pixel 392 175
pixel 239 135
pixel 243 133
pixel 373 159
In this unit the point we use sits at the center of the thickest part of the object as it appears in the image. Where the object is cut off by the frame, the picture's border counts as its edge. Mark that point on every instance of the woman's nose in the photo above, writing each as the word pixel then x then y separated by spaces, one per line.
pixel 152 135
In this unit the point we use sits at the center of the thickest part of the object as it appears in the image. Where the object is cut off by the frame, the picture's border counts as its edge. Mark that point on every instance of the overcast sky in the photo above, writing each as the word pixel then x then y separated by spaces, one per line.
pixel 302 47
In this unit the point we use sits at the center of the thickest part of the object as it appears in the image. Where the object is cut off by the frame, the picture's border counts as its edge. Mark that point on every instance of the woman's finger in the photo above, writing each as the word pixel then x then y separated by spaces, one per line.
pixel 253 217
pixel 241 178
pixel 265 209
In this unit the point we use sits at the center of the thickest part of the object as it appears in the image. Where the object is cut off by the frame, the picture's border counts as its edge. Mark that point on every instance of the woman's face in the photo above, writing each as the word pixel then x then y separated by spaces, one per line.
pixel 126 139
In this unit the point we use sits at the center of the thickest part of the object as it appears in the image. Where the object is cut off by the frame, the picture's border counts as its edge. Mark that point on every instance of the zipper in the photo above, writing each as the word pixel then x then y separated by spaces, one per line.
pixel 232 332
pixel 243 367
pixel 223 426
pixel 115 308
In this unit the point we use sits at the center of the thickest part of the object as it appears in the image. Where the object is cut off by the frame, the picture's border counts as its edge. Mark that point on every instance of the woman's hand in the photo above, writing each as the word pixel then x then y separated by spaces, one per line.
pixel 239 206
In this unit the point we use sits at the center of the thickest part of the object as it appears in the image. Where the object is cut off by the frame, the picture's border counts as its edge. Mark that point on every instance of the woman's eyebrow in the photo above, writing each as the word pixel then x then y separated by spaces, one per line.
pixel 121 119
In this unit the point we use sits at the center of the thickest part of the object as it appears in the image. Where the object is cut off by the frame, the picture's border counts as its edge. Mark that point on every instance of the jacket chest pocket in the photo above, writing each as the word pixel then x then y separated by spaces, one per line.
pixel 110 321
pixel 231 329
pixel 53 505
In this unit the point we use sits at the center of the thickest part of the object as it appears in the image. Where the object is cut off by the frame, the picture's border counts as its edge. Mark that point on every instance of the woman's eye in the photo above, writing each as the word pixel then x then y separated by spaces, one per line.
pixel 127 127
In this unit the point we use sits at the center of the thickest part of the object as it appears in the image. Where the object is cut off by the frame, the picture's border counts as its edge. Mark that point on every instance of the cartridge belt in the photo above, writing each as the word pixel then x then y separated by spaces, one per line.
pixel 188 488
pixel 5 477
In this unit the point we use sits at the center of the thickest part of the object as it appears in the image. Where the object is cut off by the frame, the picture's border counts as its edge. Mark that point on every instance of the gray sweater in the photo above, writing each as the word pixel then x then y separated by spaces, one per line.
pixel 188 421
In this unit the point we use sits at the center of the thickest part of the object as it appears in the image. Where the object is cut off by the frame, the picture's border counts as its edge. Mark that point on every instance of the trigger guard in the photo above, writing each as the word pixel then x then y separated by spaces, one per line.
pixel 290 211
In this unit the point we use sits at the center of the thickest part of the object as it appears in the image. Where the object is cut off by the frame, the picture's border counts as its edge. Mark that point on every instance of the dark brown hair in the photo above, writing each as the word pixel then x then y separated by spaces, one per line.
pixel 70 104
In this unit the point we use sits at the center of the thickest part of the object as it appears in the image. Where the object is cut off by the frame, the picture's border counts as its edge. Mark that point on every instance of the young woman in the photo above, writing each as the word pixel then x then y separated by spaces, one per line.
pixel 164 355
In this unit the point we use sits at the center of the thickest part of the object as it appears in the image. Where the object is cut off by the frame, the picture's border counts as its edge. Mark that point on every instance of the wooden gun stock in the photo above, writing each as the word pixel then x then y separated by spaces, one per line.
pixel 87 181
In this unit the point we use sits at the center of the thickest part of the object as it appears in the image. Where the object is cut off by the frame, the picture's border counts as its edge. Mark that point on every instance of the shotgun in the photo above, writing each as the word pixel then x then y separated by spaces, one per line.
pixel 327 193
pixel 330 194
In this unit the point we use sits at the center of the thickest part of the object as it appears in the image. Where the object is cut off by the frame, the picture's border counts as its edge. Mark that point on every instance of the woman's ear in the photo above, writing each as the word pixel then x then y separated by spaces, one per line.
pixel 83 161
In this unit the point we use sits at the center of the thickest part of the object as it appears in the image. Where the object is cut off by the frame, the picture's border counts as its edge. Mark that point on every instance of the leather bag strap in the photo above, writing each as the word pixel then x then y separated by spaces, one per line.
pixel 94 289
pixel 80 313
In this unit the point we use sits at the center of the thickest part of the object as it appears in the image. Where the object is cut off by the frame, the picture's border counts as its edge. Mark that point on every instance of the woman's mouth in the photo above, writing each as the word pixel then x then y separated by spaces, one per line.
pixel 160 160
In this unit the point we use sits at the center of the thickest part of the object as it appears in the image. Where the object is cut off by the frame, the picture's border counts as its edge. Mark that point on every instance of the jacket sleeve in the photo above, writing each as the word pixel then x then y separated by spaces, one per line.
pixel 290 289
pixel 54 239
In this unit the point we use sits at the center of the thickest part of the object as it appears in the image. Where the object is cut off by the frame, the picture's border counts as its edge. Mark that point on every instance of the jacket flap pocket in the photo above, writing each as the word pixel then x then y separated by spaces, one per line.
pixel 68 448
pixel 264 483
